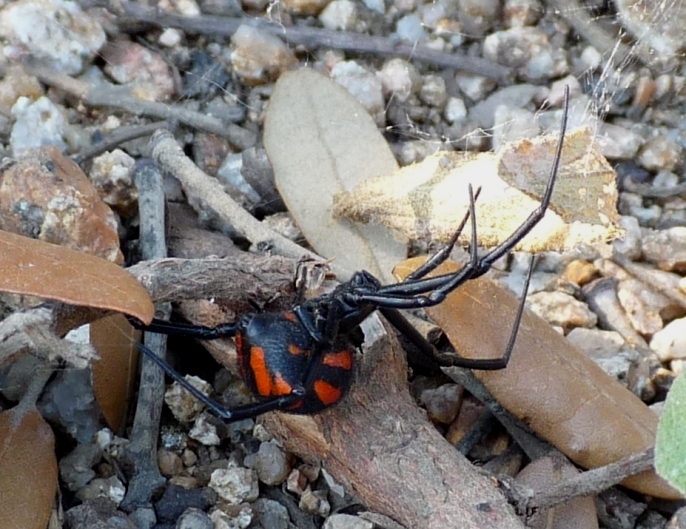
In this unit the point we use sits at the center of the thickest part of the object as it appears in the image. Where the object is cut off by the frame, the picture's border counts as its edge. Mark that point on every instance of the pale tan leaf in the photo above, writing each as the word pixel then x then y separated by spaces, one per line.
pixel 426 201
pixel 320 142
pixel 28 469
pixel 549 383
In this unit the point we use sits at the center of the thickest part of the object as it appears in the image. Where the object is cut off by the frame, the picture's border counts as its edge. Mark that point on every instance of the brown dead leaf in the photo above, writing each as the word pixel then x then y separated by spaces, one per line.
pixel 48 271
pixel 114 374
pixel 544 473
pixel 549 384
pixel 28 469
pixel 320 142
pixel 426 201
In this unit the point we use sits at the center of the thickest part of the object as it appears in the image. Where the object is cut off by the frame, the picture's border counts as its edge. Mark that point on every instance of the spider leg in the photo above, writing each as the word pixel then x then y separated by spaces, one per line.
pixel 476 266
pixel 236 414
pixel 186 329
pixel 446 360
pixel 441 255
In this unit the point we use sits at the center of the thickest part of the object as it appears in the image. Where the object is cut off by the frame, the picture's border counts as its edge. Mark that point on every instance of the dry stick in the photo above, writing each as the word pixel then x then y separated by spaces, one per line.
pixel 202 189
pixel 142 449
pixel 119 97
pixel 592 481
pixel 114 140
pixel 316 38
pixel 242 277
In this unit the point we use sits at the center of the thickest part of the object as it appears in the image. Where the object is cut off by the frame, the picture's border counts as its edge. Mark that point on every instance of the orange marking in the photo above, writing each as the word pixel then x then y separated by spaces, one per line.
pixel 290 316
pixel 327 393
pixel 295 350
pixel 238 339
pixel 258 365
pixel 342 359
pixel 281 387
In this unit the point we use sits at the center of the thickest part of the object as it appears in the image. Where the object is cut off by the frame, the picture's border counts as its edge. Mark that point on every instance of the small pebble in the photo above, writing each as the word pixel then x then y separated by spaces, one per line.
pixel 433 91
pixel 271 514
pixel 346 521
pixel 76 468
pixel 204 432
pixel 528 49
pixel 618 143
pixel 579 272
pixel 37 124
pixel 259 57
pixel 110 488
pixel 477 16
pixel 340 15
pixel 442 403
pixel 666 248
pixel 56 31
pixel 315 502
pixel 235 485
pixel 455 110
pixel 111 175
pixel 194 519
pixel 363 85
pixel 561 310
pixel 399 79
pixel 130 63
pixel 182 404
pixel 660 153
pixel 670 342
pixel 409 28
pixel 519 13
pixel 271 464
pixel 169 463
pixel 305 7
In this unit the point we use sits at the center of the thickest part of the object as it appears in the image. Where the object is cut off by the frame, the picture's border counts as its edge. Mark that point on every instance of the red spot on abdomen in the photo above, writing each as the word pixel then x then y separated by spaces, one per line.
pixel 258 365
pixel 327 393
pixel 342 360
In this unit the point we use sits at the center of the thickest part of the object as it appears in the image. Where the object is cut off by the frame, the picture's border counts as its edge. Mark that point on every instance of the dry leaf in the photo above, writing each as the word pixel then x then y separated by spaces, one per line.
pixel 542 474
pixel 48 271
pixel 549 384
pixel 426 201
pixel 321 141
pixel 114 374
pixel 28 469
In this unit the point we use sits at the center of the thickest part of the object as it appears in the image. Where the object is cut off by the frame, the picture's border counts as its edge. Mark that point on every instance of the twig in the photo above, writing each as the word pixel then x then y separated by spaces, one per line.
pixel 119 97
pixel 592 481
pixel 315 38
pixel 243 277
pixel 31 331
pixel 142 451
pixel 119 136
pixel 201 189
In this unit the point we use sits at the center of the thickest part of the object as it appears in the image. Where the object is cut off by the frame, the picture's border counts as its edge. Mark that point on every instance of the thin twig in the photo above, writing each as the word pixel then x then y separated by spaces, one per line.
pixel 142 450
pixel 202 189
pixel 119 97
pixel 593 481
pixel 114 140
pixel 315 38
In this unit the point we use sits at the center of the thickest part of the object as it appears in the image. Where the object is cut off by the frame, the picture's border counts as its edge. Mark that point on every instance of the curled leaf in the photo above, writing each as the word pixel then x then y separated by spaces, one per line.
pixel 426 201
pixel 549 383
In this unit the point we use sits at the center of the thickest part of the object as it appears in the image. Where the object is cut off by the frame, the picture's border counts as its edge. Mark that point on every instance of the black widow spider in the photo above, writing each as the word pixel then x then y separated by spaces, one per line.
pixel 301 361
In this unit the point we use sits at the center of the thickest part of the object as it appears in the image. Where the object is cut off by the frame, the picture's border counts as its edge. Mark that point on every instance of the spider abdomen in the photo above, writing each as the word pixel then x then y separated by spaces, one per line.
pixel 277 356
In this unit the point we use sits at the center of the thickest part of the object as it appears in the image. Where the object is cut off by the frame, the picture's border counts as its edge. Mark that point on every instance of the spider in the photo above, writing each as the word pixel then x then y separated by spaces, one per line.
pixel 301 360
